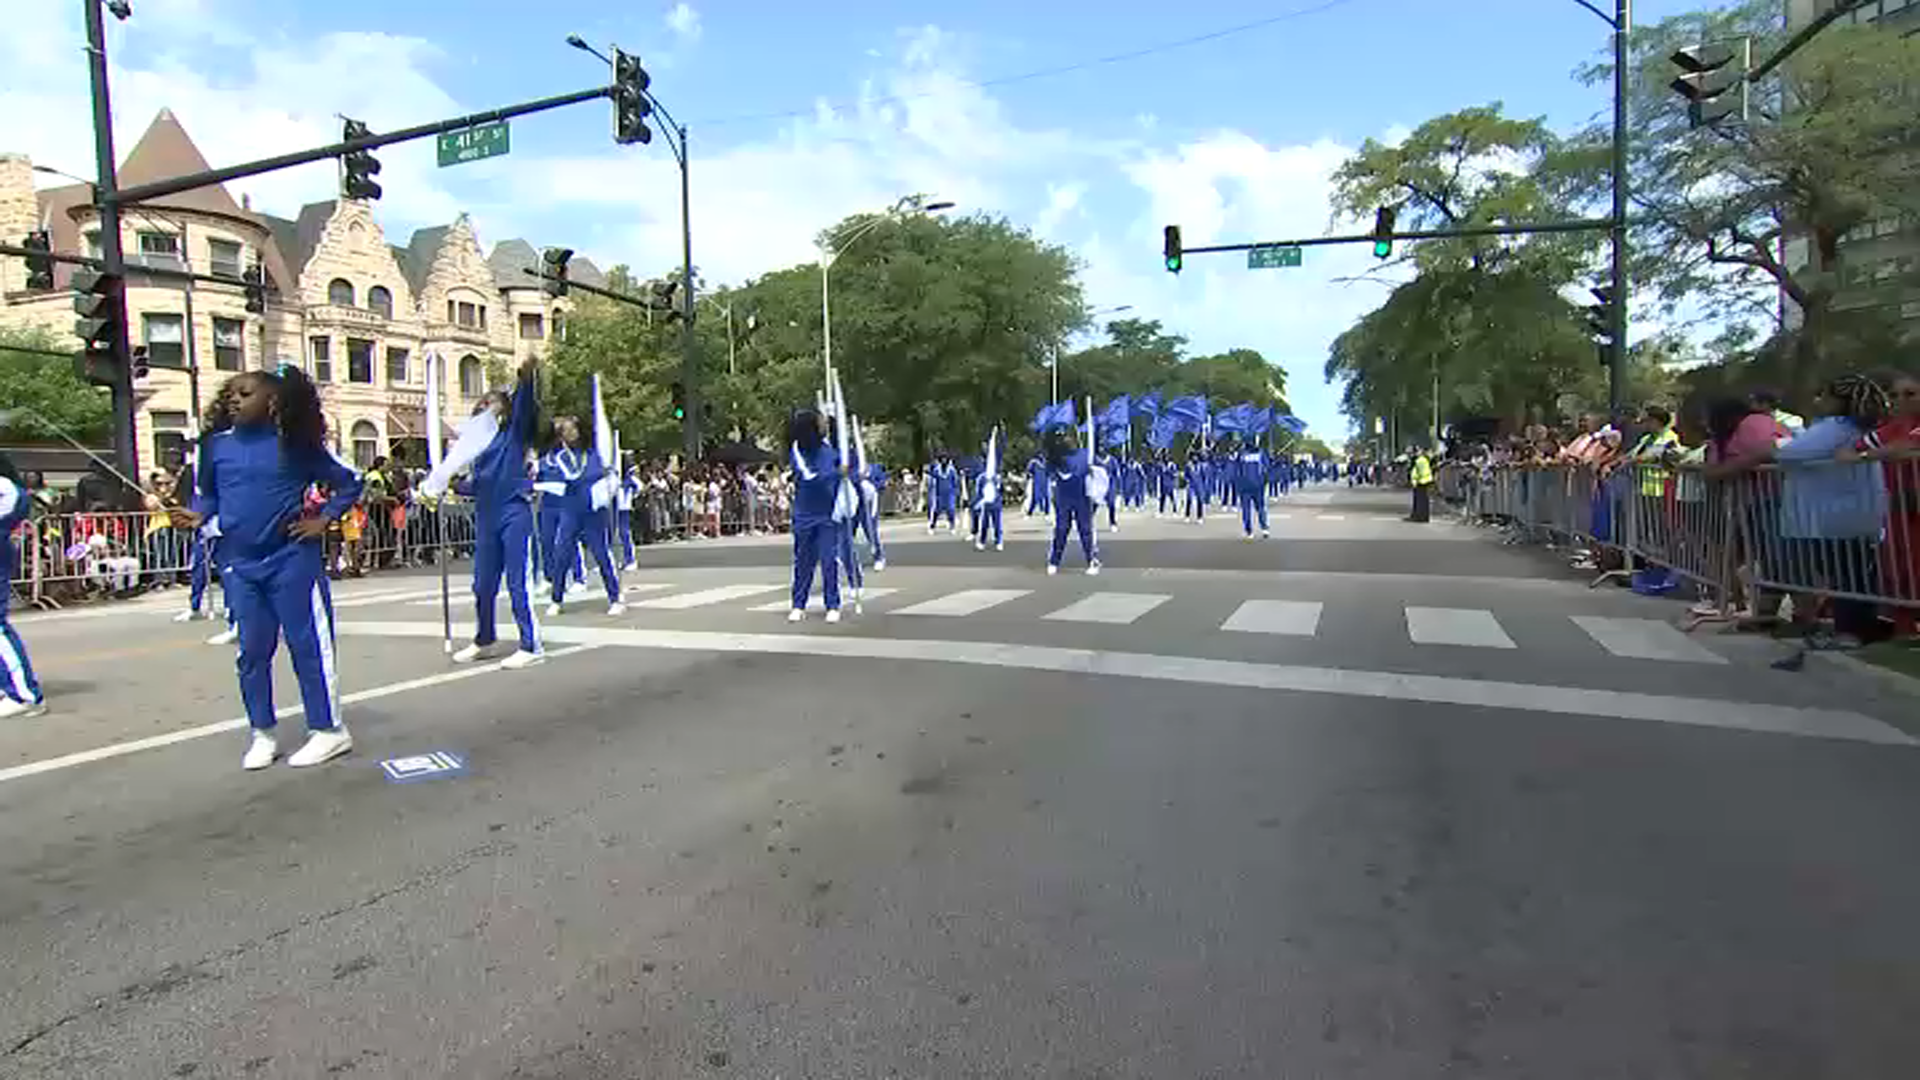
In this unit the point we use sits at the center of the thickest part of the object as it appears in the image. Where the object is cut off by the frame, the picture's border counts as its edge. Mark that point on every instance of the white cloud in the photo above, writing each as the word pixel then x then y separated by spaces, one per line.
pixel 684 21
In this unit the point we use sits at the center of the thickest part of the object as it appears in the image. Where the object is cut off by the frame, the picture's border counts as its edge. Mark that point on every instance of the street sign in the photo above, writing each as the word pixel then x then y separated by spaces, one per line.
pixel 1266 258
pixel 472 144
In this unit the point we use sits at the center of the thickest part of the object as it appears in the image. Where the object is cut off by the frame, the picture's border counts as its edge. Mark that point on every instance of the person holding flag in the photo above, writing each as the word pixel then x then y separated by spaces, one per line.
pixel 582 516
pixel 1037 487
pixel 816 484
pixel 1251 483
pixel 986 499
pixel 1070 467
pixel 873 481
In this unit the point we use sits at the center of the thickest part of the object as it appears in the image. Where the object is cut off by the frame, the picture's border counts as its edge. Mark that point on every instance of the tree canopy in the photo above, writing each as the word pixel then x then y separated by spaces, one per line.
pixel 38 373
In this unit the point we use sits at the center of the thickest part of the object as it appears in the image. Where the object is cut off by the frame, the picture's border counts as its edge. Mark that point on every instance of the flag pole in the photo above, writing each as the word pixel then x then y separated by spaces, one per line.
pixel 434 376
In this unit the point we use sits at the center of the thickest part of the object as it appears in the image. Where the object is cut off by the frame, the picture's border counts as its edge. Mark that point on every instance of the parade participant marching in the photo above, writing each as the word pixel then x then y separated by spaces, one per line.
pixel 255 470
pixel 1166 483
pixel 494 443
pixel 816 484
pixel 873 481
pixel 987 498
pixel 20 694
pixel 1069 467
pixel 1037 487
pixel 1111 464
pixel 1197 480
pixel 944 495
pixel 551 480
pixel 579 520
pixel 200 549
pixel 1252 482
pixel 624 494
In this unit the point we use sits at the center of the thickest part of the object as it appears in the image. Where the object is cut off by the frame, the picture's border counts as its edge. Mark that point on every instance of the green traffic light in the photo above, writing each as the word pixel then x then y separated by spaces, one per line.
pixel 1382 248
pixel 1173 263
pixel 679 413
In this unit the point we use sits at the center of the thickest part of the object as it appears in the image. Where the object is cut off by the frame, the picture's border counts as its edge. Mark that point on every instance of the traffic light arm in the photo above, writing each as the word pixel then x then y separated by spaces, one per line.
pixel 132 270
pixel 625 298
pixel 1587 225
pixel 174 185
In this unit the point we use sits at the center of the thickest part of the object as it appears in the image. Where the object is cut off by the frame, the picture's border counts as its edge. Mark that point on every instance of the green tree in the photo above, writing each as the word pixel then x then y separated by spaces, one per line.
pixel 36 371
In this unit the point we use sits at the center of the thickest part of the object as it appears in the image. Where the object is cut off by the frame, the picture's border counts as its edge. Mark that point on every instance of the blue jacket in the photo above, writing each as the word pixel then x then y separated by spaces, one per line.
pixel 15 506
pixel 1253 469
pixel 499 474
pixel 1070 479
pixel 253 489
pixel 946 482
pixel 816 481
pixel 576 471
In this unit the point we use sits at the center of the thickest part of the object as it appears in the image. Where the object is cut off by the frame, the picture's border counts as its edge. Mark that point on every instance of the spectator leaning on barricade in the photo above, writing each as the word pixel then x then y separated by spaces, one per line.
pixel 1900 560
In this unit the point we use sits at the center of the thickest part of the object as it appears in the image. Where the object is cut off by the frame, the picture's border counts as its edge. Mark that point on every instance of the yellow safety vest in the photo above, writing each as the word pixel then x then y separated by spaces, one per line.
pixel 1422 470
pixel 1653 480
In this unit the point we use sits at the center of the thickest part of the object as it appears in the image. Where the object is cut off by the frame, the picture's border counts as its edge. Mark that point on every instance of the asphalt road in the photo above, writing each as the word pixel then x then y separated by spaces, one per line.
pixel 1158 823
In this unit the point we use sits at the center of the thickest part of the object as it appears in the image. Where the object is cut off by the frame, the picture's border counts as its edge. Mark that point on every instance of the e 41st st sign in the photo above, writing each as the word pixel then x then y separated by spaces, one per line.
pixel 472 144
pixel 1273 255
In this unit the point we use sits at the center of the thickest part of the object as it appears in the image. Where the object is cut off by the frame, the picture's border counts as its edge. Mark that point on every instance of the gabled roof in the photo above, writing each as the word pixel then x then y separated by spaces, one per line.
pixel 511 258
pixel 581 269
pixel 422 249
pixel 163 152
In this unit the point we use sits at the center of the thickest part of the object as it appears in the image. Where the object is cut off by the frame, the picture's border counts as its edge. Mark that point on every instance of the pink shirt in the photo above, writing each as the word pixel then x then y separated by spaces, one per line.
pixel 1753 436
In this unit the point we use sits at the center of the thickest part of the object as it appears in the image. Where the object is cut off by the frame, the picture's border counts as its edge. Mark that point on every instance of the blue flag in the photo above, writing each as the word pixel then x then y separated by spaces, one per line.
pixel 1233 419
pixel 1147 406
pixel 1292 423
pixel 1116 415
pixel 1165 427
pixel 1190 413
pixel 1057 415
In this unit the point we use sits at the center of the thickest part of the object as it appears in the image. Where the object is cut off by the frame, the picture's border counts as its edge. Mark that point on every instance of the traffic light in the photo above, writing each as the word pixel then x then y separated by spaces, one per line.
pixel 39 266
pixel 1707 74
pixel 141 366
pixel 1173 249
pixel 255 281
pixel 630 105
pixel 679 402
pixel 556 260
pixel 101 302
pixel 663 298
pixel 1383 231
pixel 361 165
pixel 1600 319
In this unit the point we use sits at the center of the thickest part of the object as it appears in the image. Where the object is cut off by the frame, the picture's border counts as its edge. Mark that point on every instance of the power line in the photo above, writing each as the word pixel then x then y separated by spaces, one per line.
pixel 1063 69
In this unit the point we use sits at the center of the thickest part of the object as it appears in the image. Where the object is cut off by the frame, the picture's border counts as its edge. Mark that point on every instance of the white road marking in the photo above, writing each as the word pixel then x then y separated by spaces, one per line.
pixel 1646 639
pixel 718 595
pixel 964 602
pixel 1119 608
pixel 1297 617
pixel 1387 685
pixel 412 596
pixel 1330 517
pixel 816 602
pixel 154 742
pixel 1456 626
pixel 463 595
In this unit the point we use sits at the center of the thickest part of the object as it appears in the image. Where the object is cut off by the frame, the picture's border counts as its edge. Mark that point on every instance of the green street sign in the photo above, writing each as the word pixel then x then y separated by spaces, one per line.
pixel 472 144
pixel 1266 258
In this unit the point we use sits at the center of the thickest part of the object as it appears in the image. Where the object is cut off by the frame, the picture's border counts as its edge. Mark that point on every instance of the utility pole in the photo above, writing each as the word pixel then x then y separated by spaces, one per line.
pixel 687 345
pixel 1617 363
pixel 126 453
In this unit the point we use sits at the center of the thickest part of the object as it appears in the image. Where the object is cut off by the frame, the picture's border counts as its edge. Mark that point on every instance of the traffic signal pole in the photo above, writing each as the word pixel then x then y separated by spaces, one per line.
pixel 126 453
pixel 1617 230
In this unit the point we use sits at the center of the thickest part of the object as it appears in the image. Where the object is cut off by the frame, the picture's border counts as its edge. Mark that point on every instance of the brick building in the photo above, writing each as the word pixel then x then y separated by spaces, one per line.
pixel 357 313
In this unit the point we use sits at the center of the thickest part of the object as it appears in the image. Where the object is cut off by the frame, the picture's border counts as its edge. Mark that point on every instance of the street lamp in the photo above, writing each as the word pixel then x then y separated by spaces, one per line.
pixel 830 251
pixel 1054 365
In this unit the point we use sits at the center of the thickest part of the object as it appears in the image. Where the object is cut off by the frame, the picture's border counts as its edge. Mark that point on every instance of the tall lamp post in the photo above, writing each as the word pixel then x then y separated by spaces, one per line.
pixel 831 250
pixel 1053 365
pixel 676 134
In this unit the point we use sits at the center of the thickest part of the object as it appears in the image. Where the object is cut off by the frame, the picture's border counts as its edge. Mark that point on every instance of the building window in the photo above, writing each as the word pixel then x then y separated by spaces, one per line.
pixel 223 258
pixel 473 377
pixel 532 326
pixel 229 344
pixel 366 444
pixel 396 366
pixel 559 326
pixel 467 317
pixel 449 311
pixel 483 316
pixel 320 353
pixel 160 247
pixel 360 361
pixel 340 292
pixel 165 338
pixel 380 301
pixel 93 243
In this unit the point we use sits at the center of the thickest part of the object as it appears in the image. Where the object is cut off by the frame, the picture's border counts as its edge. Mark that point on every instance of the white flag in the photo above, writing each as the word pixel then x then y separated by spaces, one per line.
pixel 603 444
pixel 435 436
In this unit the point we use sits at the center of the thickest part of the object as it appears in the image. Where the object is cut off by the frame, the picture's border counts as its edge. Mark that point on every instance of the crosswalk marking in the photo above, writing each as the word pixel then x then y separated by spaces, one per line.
pixel 1331 517
pixel 1456 626
pixel 463 593
pixel 817 602
pixel 1297 617
pixel 1645 639
pixel 719 595
pixel 964 602
pixel 1110 607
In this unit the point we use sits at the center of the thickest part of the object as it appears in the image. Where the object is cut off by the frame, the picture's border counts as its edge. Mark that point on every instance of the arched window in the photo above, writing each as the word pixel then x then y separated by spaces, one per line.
pixel 366 444
pixel 340 292
pixel 380 301
pixel 473 377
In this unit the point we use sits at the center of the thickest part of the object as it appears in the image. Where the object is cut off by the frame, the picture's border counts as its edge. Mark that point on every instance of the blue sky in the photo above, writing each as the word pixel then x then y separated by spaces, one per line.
pixel 802 113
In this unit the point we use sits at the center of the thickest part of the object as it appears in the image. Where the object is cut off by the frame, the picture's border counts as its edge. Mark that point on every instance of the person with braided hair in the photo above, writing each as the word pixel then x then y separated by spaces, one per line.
pixel 1832 507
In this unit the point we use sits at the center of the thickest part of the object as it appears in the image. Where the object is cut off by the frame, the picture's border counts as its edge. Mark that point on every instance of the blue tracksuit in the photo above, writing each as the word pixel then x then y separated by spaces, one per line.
pixel 17 680
pixel 1166 484
pixel 579 522
pixel 550 480
pixel 816 480
pixel 945 496
pixel 987 511
pixel 503 523
pixel 276 585
pixel 1073 509
pixel 1253 489
pixel 1037 488
pixel 1197 481
pixel 877 476
pixel 623 515
pixel 1114 480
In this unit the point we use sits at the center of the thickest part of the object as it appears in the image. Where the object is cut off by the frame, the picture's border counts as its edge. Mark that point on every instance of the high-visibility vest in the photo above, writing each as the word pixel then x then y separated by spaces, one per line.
pixel 1653 480
pixel 1422 470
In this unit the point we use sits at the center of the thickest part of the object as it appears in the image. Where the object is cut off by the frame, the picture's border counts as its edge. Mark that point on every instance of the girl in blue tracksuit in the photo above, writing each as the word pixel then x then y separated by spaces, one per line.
pixel 200 562
pixel 1196 476
pixel 1068 467
pixel 267 449
pixel 579 521
pixel 20 694
pixel 987 504
pixel 1167 482
pixel 876 482
pixel 1037 487
pixel 502 495
pixel 1252 480
pixel 944 496
pixel 623 497
pixel 1114 479
pixel 551 481
pixel 816 481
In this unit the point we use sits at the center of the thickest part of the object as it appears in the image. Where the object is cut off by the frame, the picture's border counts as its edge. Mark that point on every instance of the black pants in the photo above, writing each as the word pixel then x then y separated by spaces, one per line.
pixel 1422 503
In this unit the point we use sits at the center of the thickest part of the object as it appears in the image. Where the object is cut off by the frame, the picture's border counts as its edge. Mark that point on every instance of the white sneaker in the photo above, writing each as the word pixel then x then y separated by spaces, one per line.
pixel 833 615
pixel 260 752
pixel 1248 538
pixel 616 609
pixel 1052 569
pixel 1093 568
pixel 190 616
pixel 225 637
pixel 929 530
pixel 470 652
pixel 1115 527
pixel 322 747
pixel 553 611
pixel 542 588
pixel 879 564
pixel 1265 534
pixel 979 545
pixel 797 615
pixel 521 658
pixel 21 710
pixel 999 545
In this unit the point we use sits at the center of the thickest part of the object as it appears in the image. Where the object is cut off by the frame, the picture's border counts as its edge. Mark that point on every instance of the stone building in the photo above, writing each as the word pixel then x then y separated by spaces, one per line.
pixel 357 313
